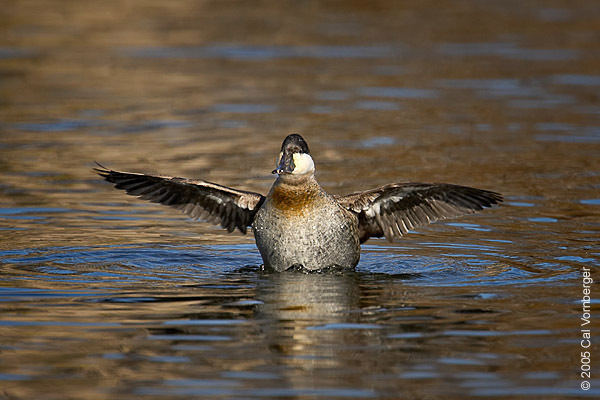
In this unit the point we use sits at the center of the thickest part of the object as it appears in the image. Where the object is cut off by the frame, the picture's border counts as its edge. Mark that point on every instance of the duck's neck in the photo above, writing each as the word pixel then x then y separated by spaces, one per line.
pixel 295 194
pixel 305 180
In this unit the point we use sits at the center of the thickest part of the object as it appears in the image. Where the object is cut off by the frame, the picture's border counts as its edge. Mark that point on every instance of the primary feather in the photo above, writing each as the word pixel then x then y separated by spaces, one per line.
pixel 392 210
pixel 199 199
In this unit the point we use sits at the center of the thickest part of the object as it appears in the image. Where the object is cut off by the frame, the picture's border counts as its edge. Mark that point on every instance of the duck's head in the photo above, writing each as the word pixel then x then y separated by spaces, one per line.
pixel 294 159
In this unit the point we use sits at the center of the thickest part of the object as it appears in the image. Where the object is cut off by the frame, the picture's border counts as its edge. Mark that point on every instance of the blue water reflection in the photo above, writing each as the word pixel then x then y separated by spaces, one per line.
pixel 260 53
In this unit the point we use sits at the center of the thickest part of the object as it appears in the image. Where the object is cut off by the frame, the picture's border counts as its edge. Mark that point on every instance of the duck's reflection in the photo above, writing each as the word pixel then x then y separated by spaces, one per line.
pixel 315 317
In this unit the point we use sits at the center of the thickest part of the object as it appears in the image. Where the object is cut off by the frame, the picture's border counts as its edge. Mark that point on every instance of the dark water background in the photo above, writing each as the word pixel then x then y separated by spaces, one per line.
pixel 106 297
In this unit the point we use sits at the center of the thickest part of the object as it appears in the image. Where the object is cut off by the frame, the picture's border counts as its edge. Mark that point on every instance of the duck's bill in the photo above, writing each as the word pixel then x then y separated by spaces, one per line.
pixel 286 164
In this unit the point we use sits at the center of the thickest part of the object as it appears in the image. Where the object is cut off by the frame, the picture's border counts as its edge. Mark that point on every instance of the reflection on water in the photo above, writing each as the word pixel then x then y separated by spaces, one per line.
pixel 103 296
pixel 211 333
pixel 262 53
pixel 506 50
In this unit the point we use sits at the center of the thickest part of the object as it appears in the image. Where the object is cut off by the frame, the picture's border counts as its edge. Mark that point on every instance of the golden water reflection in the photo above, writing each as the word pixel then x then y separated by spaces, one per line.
pixel 104 296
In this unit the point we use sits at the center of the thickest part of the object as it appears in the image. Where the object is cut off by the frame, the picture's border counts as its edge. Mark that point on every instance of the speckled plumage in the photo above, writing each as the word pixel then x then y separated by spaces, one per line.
pixel 301 227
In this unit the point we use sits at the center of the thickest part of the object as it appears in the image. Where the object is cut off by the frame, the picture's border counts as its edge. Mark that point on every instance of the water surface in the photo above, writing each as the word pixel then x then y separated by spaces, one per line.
pixel 103 296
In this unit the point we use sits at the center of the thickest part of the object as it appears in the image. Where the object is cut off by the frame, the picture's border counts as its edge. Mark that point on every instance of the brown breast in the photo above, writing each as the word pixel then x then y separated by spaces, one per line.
pixel 293 201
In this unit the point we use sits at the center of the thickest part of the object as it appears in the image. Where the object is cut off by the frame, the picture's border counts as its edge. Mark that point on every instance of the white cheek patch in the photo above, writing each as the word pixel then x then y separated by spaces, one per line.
pixel 303 164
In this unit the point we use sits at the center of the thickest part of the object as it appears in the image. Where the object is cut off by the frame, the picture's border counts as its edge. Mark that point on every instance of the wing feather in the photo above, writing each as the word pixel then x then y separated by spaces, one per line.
pixel 198 199
pixel 392 210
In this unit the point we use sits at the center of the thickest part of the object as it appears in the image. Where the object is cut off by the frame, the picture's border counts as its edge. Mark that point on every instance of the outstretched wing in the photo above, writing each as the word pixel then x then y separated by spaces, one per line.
pixel 392 210
pixel 197 198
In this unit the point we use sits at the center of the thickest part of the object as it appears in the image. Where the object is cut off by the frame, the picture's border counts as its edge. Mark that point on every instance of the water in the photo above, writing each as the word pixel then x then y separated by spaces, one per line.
pixel 106 297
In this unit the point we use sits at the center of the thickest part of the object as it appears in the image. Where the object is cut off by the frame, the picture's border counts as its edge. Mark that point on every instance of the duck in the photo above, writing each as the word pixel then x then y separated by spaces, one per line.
pixel 298 226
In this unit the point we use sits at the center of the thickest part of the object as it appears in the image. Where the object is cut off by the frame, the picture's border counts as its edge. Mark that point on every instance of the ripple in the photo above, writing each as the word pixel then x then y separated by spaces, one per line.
pixel 577 80
pixel 376 142
pixel 376 105
pixel 506 50
pixel 245 108
pixel 262 53
pixel 16 52
pixel 55 126
pixel 14 377
pixel 591 202
pixel 495 87
pixel 191 337
pixel 124 265
pixel 517 93
pixel 487 333
pixel 205 322
pixel 343 326
pixel 543 219
pixel 398 92
pixel 58 323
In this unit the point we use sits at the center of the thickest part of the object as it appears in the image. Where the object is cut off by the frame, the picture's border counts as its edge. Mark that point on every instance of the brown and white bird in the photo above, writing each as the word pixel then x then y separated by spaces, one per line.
pixel 297 225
